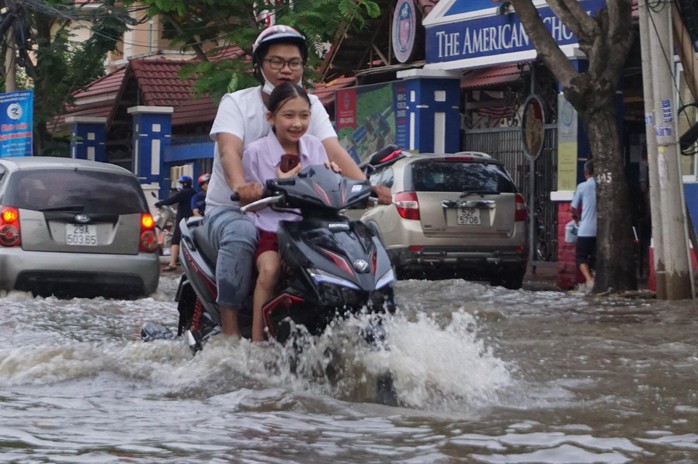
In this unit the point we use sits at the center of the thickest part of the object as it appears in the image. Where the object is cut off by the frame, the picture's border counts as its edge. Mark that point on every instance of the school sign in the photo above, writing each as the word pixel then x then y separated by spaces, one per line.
pixel 463 34
pixel 16 115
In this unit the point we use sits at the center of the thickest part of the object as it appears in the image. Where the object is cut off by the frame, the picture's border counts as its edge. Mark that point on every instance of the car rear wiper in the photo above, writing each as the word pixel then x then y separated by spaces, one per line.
pixel 478 192
pixel 64 208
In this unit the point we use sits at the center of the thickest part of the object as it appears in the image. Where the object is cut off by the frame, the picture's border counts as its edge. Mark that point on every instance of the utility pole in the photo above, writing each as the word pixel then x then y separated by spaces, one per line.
pixel 651 139
pixel 672 203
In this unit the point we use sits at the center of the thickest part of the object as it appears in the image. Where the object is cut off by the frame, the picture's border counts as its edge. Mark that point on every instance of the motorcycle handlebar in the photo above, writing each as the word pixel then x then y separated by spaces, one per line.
pixel 236 197
pixel 261 203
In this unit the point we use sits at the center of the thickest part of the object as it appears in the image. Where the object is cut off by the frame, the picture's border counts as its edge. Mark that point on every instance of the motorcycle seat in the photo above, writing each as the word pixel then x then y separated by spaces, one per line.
pixel 208 252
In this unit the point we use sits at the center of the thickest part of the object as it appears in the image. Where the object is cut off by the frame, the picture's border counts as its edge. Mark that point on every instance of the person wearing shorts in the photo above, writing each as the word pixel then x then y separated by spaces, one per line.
pixel 584 200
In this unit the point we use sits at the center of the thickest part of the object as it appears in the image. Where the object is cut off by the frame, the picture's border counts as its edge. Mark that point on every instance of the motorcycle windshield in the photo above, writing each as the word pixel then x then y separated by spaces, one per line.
pixel 319 188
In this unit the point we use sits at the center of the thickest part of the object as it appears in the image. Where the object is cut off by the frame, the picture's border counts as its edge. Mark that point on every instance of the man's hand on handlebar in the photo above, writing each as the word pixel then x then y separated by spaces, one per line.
pixel 249 192
pixel 383 194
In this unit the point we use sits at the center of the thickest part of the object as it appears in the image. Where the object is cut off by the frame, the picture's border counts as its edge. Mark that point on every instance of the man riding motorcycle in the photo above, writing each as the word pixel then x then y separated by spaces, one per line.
pixel 279 54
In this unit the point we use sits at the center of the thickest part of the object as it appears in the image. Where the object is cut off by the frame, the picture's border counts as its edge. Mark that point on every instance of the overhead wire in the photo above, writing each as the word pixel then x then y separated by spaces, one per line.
pixel 657 6
pixel 683 107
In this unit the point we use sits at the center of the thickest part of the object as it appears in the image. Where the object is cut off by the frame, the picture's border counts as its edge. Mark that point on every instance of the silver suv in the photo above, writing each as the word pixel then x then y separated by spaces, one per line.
pixel 75 228
pixel 453 215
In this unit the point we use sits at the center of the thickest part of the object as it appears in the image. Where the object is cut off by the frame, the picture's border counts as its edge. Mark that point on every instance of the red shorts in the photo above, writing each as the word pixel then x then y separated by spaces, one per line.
pixel 267 242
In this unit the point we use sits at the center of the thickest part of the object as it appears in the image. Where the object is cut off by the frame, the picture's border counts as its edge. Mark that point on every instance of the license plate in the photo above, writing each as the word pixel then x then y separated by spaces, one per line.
pixel 469 216
pixel 81 234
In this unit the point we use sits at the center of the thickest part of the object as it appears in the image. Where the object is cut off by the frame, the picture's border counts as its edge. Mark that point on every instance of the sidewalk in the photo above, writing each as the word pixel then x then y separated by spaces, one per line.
pixel 541 277
pixel 544 277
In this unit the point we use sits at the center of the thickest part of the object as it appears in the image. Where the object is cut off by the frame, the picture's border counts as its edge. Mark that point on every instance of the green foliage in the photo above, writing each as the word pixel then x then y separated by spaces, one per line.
pixel 207 24
pixel 63 64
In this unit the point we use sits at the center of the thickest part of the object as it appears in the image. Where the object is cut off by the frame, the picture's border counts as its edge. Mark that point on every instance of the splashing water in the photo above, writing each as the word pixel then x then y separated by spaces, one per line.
pixel 433 365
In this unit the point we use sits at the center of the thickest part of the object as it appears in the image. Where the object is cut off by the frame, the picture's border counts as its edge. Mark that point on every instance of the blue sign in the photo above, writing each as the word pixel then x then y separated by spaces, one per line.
pixel 16 115
pixel 667 111
pixel 469 6
pixel 451 41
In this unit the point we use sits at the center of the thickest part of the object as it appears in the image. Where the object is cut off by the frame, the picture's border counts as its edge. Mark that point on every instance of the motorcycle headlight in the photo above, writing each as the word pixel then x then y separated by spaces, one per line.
pixel 387 278
pixel 319 277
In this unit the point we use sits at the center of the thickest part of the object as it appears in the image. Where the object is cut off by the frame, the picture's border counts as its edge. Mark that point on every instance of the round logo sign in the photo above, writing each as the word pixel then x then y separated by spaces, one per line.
pixel 404 29
pixel 533 126
pixel 14 111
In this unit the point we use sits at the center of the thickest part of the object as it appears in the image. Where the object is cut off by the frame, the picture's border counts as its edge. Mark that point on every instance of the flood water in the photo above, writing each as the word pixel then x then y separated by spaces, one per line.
pixel 482 374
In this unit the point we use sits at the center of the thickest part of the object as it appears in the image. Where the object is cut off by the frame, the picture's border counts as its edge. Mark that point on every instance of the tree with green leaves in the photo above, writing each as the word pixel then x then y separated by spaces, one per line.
pixel 605 38
pixel 205 26
pixel 39 36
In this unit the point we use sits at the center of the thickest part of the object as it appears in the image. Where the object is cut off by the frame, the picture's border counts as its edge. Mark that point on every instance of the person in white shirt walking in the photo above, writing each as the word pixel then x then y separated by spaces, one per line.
pixel 584 200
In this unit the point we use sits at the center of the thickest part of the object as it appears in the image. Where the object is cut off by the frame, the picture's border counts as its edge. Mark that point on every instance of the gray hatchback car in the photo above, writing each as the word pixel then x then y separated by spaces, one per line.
pixel 453 215
pixel 75 228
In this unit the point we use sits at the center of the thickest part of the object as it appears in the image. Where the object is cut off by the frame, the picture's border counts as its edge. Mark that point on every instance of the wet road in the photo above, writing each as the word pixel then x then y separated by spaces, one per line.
pixel 482 375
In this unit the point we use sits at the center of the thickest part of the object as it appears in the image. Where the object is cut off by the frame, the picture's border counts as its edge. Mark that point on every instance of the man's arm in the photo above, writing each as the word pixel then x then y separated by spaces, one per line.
pixel 230 150
pixel 174 199
pixel 337 154
pixel 575 213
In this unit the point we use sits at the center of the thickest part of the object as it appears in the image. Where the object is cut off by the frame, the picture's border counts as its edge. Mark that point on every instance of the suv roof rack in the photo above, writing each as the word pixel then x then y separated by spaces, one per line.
pixel 478 154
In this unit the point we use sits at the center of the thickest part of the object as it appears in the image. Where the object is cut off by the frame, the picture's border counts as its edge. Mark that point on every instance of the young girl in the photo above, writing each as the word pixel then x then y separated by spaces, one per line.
pixel 289 116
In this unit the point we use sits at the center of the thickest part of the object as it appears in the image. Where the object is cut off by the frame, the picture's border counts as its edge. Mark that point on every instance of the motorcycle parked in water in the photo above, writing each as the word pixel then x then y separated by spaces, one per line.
pixel 332 267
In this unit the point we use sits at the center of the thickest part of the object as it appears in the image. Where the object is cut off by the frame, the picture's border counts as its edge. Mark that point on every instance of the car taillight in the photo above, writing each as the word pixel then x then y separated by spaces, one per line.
pixel 9 227
pixel 521 213
pixel 149 239
pixel 407 205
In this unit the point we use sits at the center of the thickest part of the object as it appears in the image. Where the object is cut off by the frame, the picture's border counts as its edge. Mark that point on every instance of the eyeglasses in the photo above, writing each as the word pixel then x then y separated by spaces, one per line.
pixel 277 64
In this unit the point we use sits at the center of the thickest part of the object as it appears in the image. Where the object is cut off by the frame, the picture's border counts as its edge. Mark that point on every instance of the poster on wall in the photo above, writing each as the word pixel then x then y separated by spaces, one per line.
pixel 370 117
pixel 16 115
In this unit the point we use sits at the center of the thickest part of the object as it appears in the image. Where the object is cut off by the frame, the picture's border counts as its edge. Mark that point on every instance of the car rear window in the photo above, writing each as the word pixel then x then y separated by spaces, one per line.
pixel 82 190
pixel 460 176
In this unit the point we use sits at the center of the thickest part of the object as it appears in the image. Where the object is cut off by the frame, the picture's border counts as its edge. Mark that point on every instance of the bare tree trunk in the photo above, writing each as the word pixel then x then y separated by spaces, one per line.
pixel 10 65
pixel 615 267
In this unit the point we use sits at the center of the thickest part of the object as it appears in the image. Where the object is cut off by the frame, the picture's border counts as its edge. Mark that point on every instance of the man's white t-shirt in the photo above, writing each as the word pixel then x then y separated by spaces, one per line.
pixel 244 115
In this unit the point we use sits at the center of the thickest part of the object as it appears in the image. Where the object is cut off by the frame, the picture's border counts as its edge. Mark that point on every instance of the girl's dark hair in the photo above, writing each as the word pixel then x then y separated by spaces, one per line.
pixel 283 92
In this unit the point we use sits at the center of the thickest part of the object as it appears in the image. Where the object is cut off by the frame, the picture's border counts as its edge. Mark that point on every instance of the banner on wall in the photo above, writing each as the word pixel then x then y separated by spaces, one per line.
pixel 370 117
pixel 16 117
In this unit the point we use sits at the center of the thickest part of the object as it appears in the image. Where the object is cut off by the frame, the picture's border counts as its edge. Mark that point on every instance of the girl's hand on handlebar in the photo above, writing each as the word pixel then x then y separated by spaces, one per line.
pixel 334 166
pixel 249 192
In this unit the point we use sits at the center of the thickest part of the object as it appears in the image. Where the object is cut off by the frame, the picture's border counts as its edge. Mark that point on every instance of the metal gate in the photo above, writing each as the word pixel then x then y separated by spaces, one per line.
pixel 505 144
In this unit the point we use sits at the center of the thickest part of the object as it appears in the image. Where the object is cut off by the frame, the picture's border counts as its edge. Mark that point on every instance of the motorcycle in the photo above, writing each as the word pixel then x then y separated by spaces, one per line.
pixel 164 225
pixel 542 253
pixel 332 267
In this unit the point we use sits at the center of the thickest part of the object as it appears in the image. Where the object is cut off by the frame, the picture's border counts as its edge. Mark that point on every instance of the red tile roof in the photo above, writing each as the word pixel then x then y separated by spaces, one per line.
pixel 159 82
pixel 98 99
pixel 491 76
pixel 195 111
pixel 325 90
pixel 159 85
